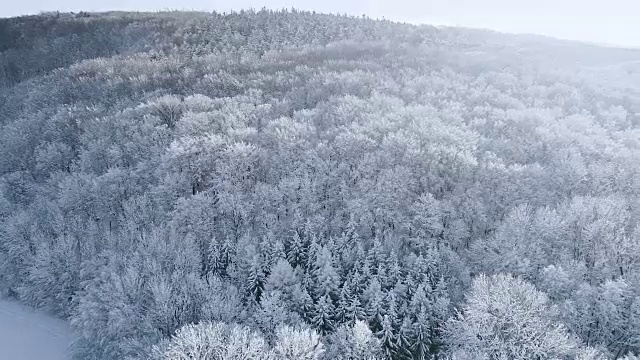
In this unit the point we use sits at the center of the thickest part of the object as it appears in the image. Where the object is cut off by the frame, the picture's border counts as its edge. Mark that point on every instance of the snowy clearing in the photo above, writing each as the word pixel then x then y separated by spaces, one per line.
pixel 27 334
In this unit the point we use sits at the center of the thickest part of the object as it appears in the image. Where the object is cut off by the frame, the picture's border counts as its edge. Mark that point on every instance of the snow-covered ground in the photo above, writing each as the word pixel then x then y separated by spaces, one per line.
pixel 28 334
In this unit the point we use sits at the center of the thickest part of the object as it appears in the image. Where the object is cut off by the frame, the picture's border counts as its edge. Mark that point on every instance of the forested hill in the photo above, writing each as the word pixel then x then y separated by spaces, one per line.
pixel 292 185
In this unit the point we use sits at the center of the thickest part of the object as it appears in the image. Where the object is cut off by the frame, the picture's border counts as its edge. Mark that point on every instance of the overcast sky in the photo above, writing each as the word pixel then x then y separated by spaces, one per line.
pixel 613 22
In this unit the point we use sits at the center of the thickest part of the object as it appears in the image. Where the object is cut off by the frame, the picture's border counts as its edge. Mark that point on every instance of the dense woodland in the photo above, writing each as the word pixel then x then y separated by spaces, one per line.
pixel 292 185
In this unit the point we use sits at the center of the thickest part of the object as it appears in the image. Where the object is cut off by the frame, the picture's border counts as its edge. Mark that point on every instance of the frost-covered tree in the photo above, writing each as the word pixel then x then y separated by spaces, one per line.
pixel 505 317
pixel 324 315
pixel 353 342
pixel 213 341
pixel 293 344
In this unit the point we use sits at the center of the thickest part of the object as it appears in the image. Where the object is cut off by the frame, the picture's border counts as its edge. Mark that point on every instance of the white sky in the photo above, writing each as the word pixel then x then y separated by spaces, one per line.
pixel 614 22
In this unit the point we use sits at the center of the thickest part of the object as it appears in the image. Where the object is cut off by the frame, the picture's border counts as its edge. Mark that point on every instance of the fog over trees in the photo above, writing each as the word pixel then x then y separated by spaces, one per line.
pixel 292 185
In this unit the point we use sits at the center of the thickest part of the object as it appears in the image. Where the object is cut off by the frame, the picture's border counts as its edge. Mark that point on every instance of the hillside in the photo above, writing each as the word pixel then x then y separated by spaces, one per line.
pixel 292 185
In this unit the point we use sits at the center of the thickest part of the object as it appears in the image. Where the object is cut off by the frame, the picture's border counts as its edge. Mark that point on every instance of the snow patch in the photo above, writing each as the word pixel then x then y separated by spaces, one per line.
pixel 28 334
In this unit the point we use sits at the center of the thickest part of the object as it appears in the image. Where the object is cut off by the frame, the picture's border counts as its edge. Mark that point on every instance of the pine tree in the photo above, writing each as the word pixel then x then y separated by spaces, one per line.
pixel 219 257
pixel 358 282
pixel 255 279
pixel 375 257
pixel 273 249
pixel 404 340
pixel 420 301
pixel 324 315
pixel 441 302
pixel 387 338
pixel 344 300
pixel 326 279
pixel 350 235
pixel 304 304
pixel 349 306
pixel 374 305
pixel 391 308
pixel 295 251
pixel 421 334
pixel 393 270
pixel 314 249
pixel 355 311
pixel 381 274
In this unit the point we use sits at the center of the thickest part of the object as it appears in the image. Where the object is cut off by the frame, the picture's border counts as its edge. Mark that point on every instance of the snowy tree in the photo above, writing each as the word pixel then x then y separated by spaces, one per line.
pixel 255 278
pixel 324 315
pixel 354 342
pixel 506 317
pixel 273 312
pixel 214 341
pixel 374 303
pixel 296 251
pixel 326 278
pixel 282 278
pixel 294 344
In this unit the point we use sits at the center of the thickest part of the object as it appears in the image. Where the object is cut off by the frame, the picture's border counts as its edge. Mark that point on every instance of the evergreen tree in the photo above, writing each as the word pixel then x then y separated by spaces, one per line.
pixel 255 279
pixel 326 279
pixel 324 315
pixel 296 251
pixel 374 305
pixel 387 337
pixel 421 333
pixel 304 304
pixel 404 341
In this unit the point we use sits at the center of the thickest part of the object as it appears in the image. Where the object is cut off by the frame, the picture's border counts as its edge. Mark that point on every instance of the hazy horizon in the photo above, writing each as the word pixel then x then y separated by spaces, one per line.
pixel 589 21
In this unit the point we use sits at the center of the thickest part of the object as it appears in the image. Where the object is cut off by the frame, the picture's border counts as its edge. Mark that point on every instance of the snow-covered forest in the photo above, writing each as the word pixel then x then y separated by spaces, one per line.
pixel 293 185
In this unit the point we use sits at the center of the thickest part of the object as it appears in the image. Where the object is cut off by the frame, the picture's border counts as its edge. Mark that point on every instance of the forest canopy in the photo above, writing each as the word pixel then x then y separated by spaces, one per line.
pixel 293 185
